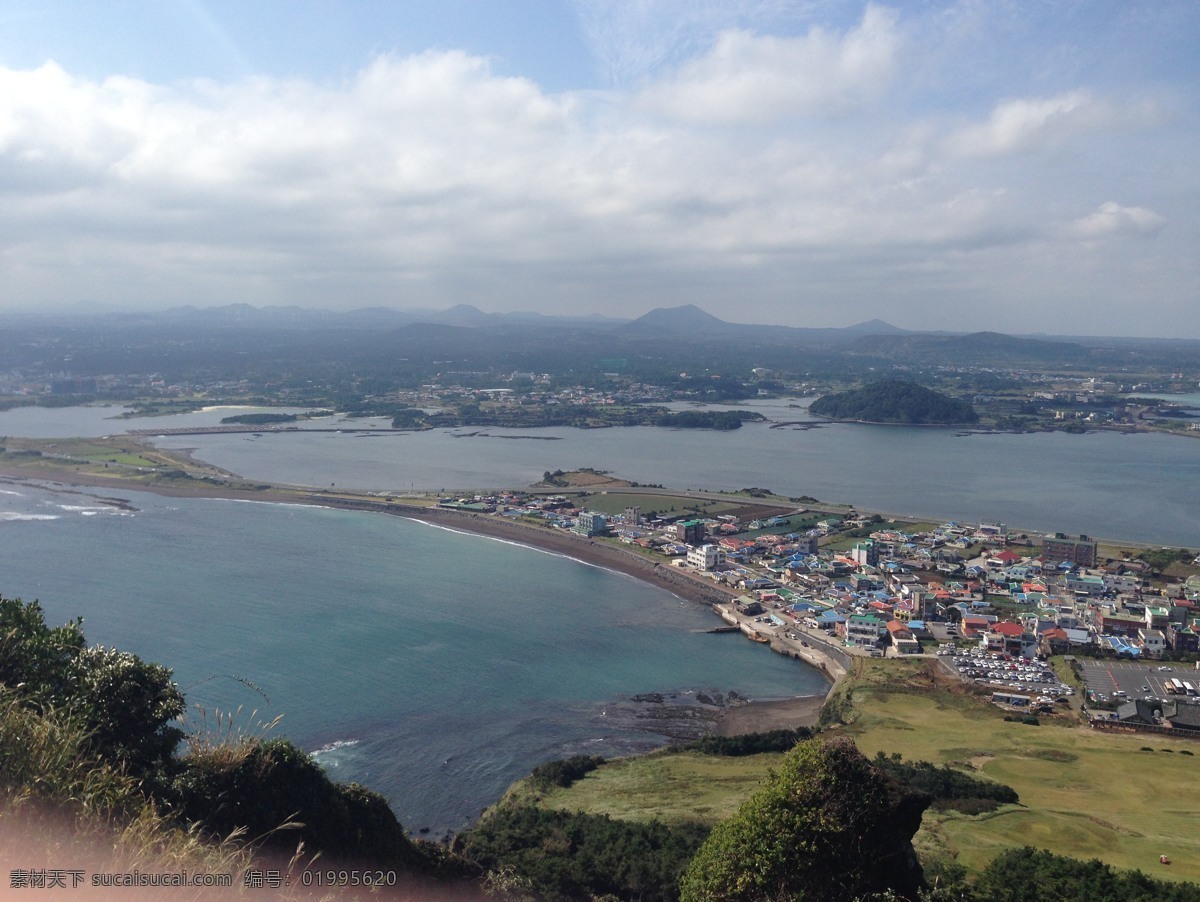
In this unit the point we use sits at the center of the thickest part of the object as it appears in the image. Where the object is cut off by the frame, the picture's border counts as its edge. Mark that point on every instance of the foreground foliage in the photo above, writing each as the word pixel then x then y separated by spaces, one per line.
pixel 827 826
pixel 1035 875
pixel 563 855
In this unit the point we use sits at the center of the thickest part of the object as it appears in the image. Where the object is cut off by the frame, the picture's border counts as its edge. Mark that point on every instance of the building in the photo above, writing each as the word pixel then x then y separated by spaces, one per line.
pixel 1153 641
pixel 865 553
pixel 706 557
pixel 591 523
pixel 864 629
pixel 1060 547
pixel 902 639
pixel 690 532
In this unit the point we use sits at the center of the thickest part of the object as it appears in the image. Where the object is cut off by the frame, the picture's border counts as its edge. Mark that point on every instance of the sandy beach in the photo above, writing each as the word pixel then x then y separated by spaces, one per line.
pixel 756 716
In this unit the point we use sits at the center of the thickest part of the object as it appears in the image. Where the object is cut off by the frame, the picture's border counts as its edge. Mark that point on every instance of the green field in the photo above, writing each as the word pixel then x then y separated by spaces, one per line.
pixel 671 787
pixel 1083 793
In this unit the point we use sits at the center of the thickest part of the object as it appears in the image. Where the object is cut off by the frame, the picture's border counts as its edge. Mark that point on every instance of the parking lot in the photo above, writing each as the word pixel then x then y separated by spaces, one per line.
pixel 1109 679
pixel 1004 673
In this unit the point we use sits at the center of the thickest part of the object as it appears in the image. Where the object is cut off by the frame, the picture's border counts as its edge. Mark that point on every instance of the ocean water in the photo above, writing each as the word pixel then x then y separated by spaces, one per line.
pixel 433 666
pixel 1141 488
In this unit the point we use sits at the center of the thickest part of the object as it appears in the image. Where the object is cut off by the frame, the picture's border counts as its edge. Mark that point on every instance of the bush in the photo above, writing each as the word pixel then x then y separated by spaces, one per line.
pixel 828 825
pixel 570 855
pixel 1033 874
pixel 564 772
pixel 276 793
pixel 747 743
pixel 945 784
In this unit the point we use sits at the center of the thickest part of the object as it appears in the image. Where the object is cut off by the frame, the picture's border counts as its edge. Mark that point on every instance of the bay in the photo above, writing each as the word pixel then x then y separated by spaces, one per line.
pixel 1142 487
pixel 433 666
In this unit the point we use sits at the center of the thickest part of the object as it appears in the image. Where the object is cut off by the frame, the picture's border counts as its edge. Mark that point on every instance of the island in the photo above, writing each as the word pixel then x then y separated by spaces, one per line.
pixel 895 401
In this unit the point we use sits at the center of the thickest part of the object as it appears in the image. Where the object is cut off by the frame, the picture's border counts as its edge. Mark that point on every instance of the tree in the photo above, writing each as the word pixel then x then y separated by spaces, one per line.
pixel 127 705
pixel 124 704
pixel 827 826
pixel 35 659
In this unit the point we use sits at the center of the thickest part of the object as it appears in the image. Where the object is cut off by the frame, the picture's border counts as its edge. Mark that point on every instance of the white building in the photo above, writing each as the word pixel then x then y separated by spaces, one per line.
pixel 706 557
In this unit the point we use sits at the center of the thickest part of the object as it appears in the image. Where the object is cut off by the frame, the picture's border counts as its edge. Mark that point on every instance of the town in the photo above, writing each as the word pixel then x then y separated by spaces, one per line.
pixel 994 605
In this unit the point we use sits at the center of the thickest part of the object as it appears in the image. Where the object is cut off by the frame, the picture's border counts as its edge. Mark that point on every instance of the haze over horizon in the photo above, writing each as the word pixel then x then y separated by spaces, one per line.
pixel 957 166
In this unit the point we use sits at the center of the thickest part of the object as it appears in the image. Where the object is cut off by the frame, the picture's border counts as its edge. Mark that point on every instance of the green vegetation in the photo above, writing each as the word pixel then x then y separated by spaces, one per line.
pixel 409 418
pixel 706 419
pixel 1101 805
pixel 1032 875
pixel 561 855
pixel 827 825
pixel 1163 559
pixel 564 772
pixel 949 788
pixel 746 744
pixel 895 401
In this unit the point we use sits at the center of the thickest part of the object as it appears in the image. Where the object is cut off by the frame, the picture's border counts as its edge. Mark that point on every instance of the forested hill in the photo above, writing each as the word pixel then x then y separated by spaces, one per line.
pixel 895 401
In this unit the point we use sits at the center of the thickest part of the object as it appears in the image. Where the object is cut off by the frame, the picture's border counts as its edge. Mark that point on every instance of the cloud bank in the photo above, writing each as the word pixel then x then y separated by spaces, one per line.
pixel 813 178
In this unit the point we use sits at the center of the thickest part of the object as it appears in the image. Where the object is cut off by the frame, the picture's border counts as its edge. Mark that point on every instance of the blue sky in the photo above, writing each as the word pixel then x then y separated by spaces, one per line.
pixel 1020 166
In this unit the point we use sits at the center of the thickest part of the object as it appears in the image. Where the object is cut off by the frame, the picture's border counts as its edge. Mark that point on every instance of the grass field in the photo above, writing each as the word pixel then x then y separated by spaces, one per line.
pixel 1083 793
pixel 118 457
pixel 685 787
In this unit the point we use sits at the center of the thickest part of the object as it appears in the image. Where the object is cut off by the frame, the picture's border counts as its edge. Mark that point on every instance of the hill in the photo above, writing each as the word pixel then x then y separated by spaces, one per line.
pixel 895 401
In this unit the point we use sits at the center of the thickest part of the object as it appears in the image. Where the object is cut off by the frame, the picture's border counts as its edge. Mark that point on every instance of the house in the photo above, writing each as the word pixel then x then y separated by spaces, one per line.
pixel 864 629
pixel 902 638
pixel 1010 638
pixel 1153 642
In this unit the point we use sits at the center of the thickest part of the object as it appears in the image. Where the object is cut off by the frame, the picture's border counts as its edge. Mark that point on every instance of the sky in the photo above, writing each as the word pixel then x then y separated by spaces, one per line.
pixel 1022 166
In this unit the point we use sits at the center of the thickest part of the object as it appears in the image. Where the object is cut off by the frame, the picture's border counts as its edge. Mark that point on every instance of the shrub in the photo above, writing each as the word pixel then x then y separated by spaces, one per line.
pixel 564 772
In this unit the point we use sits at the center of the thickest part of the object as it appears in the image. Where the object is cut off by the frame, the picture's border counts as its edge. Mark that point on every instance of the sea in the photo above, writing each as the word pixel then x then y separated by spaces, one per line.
pixel 433 666
pixel 438 667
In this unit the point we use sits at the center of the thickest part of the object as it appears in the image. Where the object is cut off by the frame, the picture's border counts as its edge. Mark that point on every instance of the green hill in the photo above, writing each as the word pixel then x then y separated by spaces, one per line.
pixel 895 401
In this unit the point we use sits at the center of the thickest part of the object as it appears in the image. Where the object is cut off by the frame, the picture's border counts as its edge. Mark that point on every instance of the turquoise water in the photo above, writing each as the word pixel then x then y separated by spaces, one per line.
pixel 433 666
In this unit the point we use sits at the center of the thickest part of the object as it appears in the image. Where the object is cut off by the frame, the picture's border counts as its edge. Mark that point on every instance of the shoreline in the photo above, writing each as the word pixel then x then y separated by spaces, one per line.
pixel 799 711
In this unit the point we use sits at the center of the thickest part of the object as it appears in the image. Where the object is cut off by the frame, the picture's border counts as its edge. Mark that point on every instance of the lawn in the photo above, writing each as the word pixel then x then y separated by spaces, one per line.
pixel 684 786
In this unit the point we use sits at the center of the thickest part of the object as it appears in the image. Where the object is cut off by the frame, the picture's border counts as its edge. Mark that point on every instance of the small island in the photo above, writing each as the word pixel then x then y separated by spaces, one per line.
pixel 895 401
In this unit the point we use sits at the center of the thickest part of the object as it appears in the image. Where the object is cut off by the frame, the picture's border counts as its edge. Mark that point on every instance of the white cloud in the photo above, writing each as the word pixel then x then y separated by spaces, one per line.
pixel 1112 219
pixel 751 78
pixel 1027 125
pixel 431 179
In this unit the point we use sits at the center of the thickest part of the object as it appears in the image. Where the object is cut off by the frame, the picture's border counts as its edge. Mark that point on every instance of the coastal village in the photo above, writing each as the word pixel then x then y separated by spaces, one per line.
pixel 993 618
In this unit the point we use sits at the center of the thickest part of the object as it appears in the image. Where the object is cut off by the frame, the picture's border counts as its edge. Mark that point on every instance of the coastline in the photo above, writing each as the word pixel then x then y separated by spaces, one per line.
pixel 800 711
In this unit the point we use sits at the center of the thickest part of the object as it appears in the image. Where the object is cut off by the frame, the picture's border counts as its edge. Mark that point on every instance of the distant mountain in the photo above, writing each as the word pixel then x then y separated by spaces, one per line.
pixel 686 320
pixel 977 348
pixel 462 315
pixel 874 327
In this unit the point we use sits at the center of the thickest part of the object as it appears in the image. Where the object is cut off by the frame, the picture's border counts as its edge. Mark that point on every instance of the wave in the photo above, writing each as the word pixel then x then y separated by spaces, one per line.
pixel 518 544
pixel 337 744
pixel 15 516
pixel 8 492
